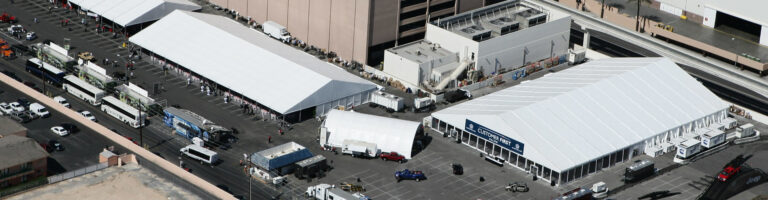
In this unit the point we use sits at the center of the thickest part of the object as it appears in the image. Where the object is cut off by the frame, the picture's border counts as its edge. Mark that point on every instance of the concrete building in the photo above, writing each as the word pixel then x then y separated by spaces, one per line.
pixel 575 122
pixel 743 15
pixel 21 160
pixel 485 41
pixel 358 30
pixel 11 127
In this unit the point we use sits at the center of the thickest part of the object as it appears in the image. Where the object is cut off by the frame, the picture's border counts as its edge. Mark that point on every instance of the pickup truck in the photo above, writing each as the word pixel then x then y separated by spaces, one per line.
pixel 393 156
pixel 410 175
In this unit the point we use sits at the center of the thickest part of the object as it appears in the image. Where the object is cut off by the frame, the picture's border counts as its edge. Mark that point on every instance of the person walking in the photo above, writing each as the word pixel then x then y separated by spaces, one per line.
pixel 189 81
pixel 269 139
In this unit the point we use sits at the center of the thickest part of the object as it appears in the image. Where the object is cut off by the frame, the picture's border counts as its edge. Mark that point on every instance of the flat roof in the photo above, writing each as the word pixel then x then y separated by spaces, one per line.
pixel 17 150
pixel 129 181
pixel 421 51
pixel 573 116
pixel 750 10
pixel 245 60
pixel 10 126
pixel 497 19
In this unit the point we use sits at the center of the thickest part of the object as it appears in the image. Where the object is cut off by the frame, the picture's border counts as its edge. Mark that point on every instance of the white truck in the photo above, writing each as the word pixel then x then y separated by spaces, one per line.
pixel 391 102
pixel 325 191
pixel 275 30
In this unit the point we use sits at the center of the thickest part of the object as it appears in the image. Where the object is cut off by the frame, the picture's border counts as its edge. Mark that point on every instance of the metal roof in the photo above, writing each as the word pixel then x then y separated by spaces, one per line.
pixel 247 61
pixel 579 114
pixel 17 150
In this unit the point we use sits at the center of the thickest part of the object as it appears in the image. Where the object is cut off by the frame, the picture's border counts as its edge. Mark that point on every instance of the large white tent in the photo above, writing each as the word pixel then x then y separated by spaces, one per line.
pixel 246 61
pixel 132 12
pixel 389 135
pixel 597 113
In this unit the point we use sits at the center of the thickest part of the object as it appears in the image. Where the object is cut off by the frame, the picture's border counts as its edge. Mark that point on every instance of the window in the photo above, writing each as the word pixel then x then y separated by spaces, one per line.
pixel 199 154
pixel 547 171
pixel 472 140
pixel 555 176
pixel 435 122
pixel 606 162
pixel 25 165
pixel 23 178
pixel 585 169
pixel 521 162
pixel 578 172
pixel 539 169
pixel 505 154
pixel 625 156
pixel 464 137
pixel 497 151
pixel 5 171
pixel 481 144
pixel 512 158
pixel 592 166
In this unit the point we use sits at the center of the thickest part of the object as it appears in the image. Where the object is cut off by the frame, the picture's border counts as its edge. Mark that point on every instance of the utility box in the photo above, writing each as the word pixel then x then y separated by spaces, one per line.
pixel 688 148
pixel 712 138
pixel 745 130
pixel 729 123
pixel 577 55
pixel 421 103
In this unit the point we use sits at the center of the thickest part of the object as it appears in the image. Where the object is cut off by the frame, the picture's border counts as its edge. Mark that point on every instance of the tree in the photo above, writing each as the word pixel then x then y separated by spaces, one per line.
pixel 637 18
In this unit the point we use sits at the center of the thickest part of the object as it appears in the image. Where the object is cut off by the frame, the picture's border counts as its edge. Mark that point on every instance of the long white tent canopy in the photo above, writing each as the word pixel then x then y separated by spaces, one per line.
pixel 246 61
pixel 389 134
pixel 132 12
pixel 571 117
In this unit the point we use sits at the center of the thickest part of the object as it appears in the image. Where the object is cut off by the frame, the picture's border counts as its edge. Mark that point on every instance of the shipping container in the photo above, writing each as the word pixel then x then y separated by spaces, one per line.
pixel 389 101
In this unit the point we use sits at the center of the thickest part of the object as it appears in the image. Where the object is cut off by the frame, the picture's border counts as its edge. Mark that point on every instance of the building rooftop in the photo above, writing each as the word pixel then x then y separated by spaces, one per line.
pixel 125 182
pixel 10 126
pixel 495 20
pixel 422 51
pixel 15 150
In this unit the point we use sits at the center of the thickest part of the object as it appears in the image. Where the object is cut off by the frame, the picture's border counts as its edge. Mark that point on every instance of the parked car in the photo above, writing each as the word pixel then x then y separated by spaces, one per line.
pixel 55 145
pixel 88 115
pixel 5 108
pixel 16 106
pixel 71 128
pixel 62 101
pixel 410 175
pixel 517 187
pixel 20 117
pixel 31 36
pixel 47 147
pixel 393 156
pixel 58 130
pixel 457 169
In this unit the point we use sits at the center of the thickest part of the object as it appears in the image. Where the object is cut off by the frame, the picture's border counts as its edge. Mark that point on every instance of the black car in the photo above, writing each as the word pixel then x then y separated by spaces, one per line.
pixel 23 101
pixel 55 145
pixel 457 169
pixel 71 128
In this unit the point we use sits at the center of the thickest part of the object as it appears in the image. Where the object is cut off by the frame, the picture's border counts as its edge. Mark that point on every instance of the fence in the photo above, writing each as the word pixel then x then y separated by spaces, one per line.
pixel 76 173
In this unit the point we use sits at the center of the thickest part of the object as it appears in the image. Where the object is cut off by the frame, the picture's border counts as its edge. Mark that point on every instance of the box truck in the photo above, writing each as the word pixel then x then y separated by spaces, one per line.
pixel 391 102
pixel 275 30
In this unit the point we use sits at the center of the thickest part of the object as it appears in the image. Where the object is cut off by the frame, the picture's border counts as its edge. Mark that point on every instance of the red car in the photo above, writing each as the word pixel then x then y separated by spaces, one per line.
pixel 393 156
pixel 131 139
pixel 728 172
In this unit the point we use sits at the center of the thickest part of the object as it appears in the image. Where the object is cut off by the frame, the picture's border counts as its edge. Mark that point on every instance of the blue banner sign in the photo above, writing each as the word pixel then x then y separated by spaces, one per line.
pixel 494 137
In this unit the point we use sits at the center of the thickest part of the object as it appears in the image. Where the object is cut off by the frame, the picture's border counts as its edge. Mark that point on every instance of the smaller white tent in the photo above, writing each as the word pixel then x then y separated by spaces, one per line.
pixel 390 135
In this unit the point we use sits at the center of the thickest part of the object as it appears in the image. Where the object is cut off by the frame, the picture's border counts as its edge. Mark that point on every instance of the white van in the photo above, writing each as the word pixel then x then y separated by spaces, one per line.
pixel 39 110
pixel 200 153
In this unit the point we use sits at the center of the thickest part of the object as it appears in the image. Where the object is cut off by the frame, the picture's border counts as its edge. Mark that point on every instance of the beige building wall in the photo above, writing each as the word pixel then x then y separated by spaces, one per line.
pixel 257 10
pixel 362 16
pixel 241 6
pixel 342 27
pixel 298 20
pixel 277 11
pixel 319 23
pixel 384 21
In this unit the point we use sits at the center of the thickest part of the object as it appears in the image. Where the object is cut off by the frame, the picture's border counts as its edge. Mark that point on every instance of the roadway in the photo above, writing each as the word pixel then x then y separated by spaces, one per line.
pixel 678 54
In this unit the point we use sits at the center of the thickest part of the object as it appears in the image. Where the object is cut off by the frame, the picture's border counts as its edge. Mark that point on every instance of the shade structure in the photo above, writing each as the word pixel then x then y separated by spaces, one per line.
pixel 580 114
pixel 248 62
pixel 389 134
pixel 132 12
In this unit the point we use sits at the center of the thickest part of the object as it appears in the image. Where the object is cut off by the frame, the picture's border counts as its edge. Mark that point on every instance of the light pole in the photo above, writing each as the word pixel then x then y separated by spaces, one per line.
pixel 42 74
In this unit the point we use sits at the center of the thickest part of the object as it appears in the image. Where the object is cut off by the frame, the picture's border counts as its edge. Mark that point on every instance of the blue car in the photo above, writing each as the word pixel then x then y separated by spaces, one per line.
pixel 410 175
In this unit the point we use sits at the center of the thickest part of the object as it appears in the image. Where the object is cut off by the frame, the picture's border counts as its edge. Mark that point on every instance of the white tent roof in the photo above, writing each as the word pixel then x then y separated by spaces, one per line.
pixel 750 10
pixel 389 134
pixel 249 62
pixel 576 115
pixel 132 12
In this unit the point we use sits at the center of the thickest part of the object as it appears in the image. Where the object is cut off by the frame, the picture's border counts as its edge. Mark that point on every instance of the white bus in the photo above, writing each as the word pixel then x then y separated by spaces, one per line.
pixel 122 111
pixel 83 90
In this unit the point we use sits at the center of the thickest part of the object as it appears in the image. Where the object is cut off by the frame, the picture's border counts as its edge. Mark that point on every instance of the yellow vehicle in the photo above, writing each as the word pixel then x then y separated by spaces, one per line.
pixel 86 56
pixel 351 187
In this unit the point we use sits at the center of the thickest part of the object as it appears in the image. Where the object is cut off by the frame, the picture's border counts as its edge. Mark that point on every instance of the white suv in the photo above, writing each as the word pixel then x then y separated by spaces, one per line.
pixel 62 101
pixel 16 106
pixel 5 108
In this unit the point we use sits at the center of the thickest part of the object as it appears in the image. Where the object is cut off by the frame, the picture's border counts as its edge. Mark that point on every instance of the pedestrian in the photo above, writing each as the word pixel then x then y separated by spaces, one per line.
pixel 131 74
pixel 189 81
pixel 226 99
pixel 202 88
pixel 36 20
pixel 208 91
pixel 280 131
pixel 269 139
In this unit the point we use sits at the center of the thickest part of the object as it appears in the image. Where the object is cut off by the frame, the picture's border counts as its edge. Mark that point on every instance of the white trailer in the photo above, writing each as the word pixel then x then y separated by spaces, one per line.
pixel 275 30
pixel 422 103
pixel 359 148
pixel 326 192
pixel 389 101
pixel 712 138
pixel 688 148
